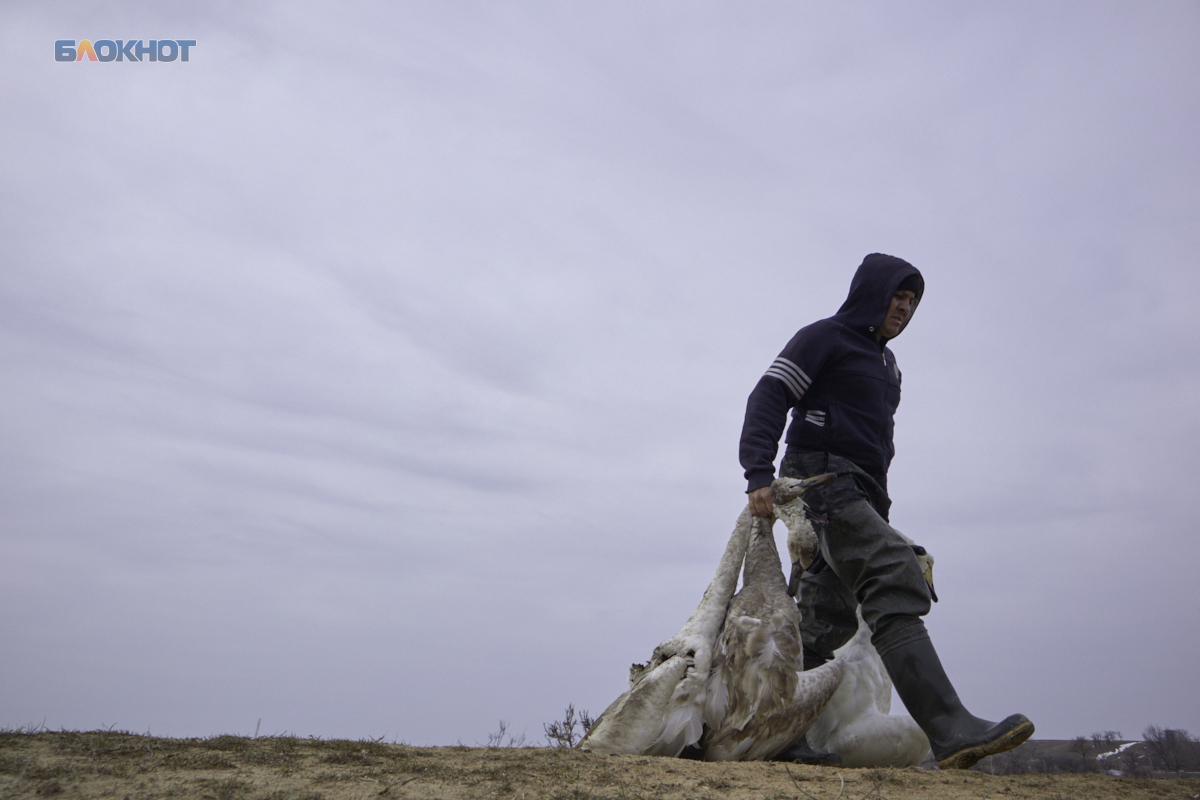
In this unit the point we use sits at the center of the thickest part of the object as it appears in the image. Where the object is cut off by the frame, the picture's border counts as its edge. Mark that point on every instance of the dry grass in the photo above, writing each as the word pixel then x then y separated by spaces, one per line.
pixel 104 764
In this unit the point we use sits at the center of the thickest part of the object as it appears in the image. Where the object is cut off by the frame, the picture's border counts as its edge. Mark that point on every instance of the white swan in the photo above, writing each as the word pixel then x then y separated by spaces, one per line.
pixel 759 698
pixel 856 724
pixel 662 712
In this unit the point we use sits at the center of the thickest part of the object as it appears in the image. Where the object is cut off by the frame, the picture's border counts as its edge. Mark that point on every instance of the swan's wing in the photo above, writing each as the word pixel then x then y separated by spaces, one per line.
pixel 855 725
pixel 662 712
pixel 755 661
pixel 771 732
pixel 879 740
pixel 684 722
pixel 635 720
pixel 846 705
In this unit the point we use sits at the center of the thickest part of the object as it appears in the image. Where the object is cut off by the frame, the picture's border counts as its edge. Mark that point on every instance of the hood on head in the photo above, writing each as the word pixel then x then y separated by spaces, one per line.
pixel 877 279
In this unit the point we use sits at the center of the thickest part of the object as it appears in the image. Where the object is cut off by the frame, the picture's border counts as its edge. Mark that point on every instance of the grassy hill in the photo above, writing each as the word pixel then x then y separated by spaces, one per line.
pixel 107 764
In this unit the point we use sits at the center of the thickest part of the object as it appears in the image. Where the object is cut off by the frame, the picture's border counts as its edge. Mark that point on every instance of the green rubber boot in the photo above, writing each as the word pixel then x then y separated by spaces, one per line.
pixel 958 738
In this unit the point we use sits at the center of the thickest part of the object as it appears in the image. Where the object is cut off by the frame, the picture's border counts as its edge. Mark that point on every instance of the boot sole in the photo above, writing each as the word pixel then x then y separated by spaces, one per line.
pixel 970 756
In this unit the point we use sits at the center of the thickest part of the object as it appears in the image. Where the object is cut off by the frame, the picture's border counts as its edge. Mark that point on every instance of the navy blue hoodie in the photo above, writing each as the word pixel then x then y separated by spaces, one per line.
pixel 841 384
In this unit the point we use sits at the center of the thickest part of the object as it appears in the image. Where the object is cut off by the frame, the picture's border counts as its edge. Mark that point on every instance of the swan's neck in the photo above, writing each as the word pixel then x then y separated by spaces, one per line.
pixel 763 567
pixel 710 614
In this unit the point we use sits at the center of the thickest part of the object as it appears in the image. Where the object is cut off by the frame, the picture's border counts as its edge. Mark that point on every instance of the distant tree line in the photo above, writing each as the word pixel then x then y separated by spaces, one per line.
pixel 1163 750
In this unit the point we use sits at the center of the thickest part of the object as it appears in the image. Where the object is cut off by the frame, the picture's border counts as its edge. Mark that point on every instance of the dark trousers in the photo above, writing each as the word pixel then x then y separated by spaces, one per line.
pixel 866 562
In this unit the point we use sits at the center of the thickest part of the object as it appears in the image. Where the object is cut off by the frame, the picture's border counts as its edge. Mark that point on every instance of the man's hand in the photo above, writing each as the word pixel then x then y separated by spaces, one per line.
pixel 760 502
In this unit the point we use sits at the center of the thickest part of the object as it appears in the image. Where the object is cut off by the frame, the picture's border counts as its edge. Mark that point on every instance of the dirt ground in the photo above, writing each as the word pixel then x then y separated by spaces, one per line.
pixel 130 767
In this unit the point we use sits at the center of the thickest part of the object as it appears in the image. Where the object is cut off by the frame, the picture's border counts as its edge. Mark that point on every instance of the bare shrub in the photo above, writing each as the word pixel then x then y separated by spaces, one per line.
pixel 1172 749
pixel 1135 764
pixel 1105 743
pixel 562 733
pixel 1081 747
pixel 502 738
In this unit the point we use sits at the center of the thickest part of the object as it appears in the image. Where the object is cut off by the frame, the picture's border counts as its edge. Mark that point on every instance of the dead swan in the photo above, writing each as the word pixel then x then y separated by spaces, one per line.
pixel 662 712
pixel 759 698
pixel 856 724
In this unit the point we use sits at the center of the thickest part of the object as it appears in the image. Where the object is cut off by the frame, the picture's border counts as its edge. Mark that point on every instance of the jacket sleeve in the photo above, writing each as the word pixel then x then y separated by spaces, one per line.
pixel 782 387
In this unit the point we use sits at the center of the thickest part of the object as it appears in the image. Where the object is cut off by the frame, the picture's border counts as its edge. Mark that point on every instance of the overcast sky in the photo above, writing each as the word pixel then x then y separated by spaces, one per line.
pixel 379 371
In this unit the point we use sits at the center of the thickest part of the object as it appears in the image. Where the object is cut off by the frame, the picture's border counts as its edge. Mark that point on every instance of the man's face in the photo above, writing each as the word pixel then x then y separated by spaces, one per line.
pixel 898 311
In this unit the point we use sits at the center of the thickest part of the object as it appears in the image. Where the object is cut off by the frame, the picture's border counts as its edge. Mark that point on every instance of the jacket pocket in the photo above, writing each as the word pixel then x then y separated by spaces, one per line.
pixel 809 429
pixel 834 423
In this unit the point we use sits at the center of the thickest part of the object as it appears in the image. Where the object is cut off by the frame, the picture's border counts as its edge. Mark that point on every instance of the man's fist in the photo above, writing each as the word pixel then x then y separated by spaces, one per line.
pixel 760 502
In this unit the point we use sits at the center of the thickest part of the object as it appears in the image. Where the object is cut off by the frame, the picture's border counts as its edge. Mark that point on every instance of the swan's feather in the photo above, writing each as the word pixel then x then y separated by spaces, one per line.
pixel 773 730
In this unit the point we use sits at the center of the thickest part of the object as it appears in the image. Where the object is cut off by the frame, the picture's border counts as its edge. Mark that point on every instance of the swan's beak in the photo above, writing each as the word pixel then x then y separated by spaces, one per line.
pixel 785 490
pixel 925 561
pixel 817 480
pixel 794 581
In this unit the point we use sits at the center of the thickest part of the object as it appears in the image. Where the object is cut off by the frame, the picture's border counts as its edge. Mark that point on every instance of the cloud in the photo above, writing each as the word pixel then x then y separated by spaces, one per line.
pixel 382 370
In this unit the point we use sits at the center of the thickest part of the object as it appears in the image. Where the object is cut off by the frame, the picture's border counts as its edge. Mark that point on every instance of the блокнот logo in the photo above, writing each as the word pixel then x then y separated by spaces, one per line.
pixel 123 50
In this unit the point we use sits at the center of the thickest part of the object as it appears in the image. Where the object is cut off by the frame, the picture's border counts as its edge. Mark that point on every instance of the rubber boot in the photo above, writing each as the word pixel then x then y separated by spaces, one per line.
pixel 958 739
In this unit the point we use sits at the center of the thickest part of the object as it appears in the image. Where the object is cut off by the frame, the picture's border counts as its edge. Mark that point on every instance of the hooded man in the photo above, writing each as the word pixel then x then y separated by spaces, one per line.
pixel 842 384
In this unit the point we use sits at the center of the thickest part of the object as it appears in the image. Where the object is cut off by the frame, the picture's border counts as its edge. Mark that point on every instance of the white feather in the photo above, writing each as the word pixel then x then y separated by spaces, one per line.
pixel 856 724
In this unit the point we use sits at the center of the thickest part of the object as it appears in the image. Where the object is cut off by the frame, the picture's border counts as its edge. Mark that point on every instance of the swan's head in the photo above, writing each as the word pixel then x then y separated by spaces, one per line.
pixel 784 490
pixel 802 539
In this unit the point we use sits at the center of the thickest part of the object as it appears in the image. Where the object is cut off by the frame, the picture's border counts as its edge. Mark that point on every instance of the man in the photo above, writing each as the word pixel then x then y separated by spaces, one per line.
pixel 842 384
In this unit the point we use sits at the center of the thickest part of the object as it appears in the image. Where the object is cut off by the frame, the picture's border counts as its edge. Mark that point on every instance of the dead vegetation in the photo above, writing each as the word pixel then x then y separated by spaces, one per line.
pixel 563 733
pixel 109 764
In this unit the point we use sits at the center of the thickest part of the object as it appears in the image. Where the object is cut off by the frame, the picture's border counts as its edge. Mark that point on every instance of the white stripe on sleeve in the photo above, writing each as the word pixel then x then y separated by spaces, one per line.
pixel 791 375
